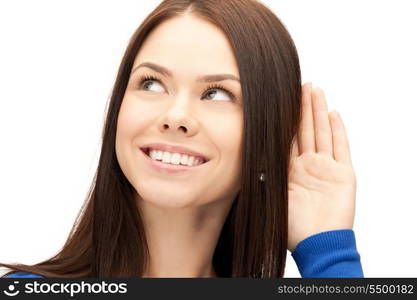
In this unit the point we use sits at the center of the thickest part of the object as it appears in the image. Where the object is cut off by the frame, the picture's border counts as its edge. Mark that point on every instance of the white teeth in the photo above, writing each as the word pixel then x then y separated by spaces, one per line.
pixel 190 160
pixel 174 158
pixel 184 159
pixel 166 158
pixel 153 154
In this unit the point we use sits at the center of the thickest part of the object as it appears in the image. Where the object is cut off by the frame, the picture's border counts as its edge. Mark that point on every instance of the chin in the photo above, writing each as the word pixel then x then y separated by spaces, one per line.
pixel 171 199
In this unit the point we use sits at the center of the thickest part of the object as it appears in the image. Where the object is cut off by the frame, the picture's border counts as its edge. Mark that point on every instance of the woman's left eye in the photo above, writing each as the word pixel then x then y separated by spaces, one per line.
pixel 215 91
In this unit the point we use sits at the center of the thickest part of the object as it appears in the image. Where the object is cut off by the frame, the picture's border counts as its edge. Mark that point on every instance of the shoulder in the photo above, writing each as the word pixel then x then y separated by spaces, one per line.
pixel 23 275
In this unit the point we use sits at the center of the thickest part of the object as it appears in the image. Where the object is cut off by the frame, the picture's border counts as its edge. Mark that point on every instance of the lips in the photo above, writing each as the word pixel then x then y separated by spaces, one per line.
pixel 174 149
pixel 169 168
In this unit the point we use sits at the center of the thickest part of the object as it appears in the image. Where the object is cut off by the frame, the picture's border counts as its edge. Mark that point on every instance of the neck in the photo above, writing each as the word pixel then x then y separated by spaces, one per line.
pixel 181 241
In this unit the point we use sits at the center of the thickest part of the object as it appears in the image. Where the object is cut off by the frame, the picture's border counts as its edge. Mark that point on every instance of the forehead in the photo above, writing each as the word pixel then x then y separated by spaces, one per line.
pixel 189 45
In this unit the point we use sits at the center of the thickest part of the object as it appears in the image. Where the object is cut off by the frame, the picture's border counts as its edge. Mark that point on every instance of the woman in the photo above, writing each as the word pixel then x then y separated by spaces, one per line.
pixel 215 160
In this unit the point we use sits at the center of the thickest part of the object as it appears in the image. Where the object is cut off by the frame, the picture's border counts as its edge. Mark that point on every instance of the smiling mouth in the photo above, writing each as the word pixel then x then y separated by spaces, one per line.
pixel 146 151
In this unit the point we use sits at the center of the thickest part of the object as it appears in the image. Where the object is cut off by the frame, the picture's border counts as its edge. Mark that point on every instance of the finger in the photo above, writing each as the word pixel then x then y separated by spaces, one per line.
pixel 340 141
pixel 322 129
pixel 306 132
pixel 294 149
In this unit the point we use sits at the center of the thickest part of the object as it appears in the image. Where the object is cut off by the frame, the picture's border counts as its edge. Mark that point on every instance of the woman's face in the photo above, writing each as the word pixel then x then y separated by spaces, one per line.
pixel 182 108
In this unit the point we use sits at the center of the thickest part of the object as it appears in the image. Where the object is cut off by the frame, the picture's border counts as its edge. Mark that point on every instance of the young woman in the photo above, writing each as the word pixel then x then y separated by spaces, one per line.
pixel 215 160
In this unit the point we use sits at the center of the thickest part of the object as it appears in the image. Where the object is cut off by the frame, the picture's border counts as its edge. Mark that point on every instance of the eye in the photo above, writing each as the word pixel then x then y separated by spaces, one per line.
pixel 214 90
pixel 146 82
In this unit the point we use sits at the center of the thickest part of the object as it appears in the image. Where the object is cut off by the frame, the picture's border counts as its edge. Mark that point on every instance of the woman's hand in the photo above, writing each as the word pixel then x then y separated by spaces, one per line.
pixel 322 183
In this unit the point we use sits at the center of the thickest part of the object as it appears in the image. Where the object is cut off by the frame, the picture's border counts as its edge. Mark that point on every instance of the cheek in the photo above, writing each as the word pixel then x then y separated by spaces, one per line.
pixel 129 125
pixel 132 118
pixel 228 135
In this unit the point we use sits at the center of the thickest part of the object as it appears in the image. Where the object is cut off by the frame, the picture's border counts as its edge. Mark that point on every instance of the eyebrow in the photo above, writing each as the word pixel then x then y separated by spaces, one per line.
pixel 205 78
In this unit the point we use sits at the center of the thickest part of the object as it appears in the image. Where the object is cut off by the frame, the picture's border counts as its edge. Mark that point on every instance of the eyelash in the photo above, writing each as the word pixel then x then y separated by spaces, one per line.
pixel 214 86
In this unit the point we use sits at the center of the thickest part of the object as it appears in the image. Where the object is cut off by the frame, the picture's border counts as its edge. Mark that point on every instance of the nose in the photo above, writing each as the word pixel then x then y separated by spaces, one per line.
pixel 178 120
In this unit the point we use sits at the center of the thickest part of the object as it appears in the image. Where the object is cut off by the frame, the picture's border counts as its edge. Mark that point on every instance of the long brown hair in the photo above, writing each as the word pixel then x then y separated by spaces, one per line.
pixel 108 237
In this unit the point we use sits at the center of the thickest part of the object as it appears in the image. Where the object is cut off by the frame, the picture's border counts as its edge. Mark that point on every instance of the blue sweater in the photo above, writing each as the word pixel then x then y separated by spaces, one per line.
pixel 330 254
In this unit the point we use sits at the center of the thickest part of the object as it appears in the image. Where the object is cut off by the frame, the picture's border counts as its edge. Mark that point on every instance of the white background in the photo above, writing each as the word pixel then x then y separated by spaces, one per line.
pixel 58 62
